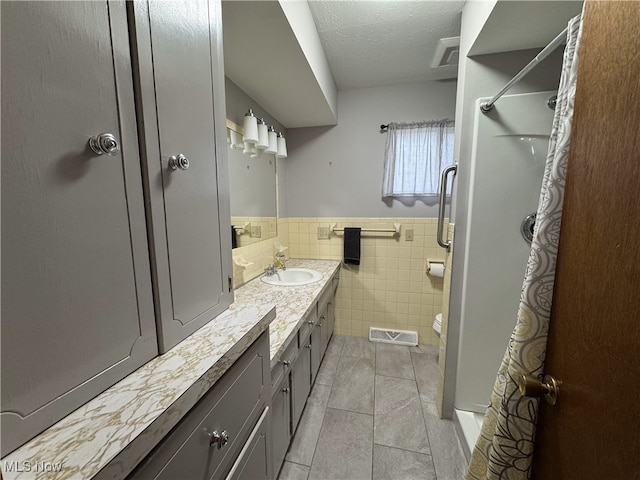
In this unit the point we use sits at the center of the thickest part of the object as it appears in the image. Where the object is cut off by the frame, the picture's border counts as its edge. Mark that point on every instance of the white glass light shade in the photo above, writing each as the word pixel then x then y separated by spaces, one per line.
pixel 236 140
pixel 273 142
pixel 250 149
pixel 263 136
pixel 282 147
pixel 250 128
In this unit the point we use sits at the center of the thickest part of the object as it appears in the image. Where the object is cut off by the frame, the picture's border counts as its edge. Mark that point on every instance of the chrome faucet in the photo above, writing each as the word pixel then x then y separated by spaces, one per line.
pixel 271 270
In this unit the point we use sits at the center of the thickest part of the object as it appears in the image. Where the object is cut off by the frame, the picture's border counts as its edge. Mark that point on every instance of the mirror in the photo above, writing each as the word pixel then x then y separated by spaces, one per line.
pixel 253 196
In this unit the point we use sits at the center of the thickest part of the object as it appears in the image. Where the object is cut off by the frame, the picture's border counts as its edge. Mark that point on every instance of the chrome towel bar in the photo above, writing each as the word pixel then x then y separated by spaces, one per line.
pixel 443 195
pixel 395 230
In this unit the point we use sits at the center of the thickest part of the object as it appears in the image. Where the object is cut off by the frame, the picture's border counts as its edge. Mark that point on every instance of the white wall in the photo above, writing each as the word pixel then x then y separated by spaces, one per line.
pixel 337 171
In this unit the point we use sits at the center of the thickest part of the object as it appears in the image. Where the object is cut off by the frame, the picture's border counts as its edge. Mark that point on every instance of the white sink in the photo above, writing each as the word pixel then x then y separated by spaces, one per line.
pixel 292 277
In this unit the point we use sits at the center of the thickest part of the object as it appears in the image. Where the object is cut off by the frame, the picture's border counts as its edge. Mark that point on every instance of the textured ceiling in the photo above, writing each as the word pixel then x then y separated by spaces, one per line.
pixel 371 43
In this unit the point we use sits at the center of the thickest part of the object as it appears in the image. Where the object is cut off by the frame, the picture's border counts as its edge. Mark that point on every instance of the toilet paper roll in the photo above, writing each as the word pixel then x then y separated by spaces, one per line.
pixel 436 269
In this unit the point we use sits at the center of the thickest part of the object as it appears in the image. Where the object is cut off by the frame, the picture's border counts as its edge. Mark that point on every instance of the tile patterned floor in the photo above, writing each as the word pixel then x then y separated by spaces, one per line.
pixel 372 415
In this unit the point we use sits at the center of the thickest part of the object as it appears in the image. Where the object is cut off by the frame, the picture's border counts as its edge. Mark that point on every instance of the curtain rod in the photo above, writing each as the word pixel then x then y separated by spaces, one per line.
pixel 486 107
pixel 384 128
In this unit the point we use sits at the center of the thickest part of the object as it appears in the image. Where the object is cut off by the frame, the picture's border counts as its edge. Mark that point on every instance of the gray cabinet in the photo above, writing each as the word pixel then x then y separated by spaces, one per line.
pixel 181 106
pixel 316 350
pixel 77 307
pixel 296 371
pixel 230 422
pixel 253 462
pixel 300 382
pixel 280 422
pixel 78 228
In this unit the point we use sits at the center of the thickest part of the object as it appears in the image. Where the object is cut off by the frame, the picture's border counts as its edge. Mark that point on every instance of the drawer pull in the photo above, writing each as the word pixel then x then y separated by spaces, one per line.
pixel 219 439
pixel 286 363
pixel 310 322
pixel 285 390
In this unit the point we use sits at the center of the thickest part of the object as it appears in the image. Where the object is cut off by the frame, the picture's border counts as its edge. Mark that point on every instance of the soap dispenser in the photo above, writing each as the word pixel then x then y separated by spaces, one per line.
pixel 281 260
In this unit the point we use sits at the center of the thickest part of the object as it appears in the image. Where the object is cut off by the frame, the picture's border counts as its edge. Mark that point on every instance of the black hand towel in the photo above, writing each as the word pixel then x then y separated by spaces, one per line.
pixel 352 245
pixel 234 237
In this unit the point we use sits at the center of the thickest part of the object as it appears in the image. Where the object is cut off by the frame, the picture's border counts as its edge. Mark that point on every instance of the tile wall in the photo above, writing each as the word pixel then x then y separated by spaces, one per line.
pixel 266 229
pixel 390 287
pixel 258 255
pixel 445 319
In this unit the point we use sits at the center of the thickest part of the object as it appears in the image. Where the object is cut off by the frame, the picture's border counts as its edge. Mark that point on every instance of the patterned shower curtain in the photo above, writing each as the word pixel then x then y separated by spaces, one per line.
pixel 504 449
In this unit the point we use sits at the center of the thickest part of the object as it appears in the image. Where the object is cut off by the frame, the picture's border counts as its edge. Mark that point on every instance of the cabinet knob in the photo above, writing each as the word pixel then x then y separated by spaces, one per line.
pixel 310 322
pixel 104 144
pixel 178 162
pixel 285 389
pixel 307 346
pixel 219 438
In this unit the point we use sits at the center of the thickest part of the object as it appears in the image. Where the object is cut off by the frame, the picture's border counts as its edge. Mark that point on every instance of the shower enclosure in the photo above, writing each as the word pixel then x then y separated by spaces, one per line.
pixel 508 157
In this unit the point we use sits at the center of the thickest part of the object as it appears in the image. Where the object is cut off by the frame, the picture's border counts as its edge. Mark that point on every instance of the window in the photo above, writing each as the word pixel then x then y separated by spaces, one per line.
pixel 416 154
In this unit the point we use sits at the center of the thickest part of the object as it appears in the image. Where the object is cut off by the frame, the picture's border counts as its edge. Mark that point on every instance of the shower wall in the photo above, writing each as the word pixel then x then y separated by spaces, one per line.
pixel 507 163
pixel 480 76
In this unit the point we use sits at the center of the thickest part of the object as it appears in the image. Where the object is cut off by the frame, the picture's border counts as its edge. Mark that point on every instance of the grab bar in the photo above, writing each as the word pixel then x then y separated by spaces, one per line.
pixel 443 195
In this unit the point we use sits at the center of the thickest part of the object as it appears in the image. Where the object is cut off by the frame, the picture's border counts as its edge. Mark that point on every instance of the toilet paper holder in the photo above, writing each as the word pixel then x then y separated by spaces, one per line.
pixel 434 267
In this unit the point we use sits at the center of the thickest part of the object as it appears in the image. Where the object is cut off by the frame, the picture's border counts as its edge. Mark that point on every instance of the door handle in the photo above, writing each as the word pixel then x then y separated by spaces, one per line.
pixel 443 196
pixel 529 386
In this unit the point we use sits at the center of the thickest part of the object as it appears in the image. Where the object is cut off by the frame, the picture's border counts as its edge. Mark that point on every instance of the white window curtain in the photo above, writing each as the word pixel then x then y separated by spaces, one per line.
pixel 415 155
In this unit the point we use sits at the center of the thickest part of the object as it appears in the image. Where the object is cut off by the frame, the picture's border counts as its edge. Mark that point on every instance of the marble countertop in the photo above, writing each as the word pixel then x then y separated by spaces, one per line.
pixel 118 428
pixel 293 303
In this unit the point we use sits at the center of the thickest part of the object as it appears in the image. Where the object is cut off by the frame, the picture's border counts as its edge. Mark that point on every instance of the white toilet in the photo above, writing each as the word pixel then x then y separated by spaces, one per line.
pixel 437 324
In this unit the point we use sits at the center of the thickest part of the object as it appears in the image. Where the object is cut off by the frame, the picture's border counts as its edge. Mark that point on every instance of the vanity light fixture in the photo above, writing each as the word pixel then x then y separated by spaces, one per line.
pixel 250 149
pixel 273 141
pixel 282 147
pixel 263 134
pixel 236 139
pixel 250 129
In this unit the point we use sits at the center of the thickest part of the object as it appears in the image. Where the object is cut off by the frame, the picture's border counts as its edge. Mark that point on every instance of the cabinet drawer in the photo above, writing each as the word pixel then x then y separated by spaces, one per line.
pixel 230 408
pixel 253 462
pixel 284 364
pixel 307 326
pixel 328 294
pixel 324 300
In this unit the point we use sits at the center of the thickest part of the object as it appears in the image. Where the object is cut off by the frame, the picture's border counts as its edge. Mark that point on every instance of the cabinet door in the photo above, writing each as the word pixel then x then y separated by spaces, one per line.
pixel 254 462
pixel 77 310
pixel 316 350
pixel 300 383
pixel 323 324
pixel 331 318
pixel 182 103
pixel 280 424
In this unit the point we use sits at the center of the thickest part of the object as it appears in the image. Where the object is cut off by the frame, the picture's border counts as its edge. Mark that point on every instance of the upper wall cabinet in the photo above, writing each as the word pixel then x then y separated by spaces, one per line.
pixel 78 122
pixel 77 306
pixel 183 131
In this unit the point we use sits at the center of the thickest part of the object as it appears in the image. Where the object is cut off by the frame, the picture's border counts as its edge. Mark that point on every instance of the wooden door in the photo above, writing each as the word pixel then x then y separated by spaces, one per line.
pixel 594 342
pixel 183 112
pixel 77 307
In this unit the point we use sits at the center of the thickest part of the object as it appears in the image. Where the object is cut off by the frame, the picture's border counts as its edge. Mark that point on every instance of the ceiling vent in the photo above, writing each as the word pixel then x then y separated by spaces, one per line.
pixel 447 52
